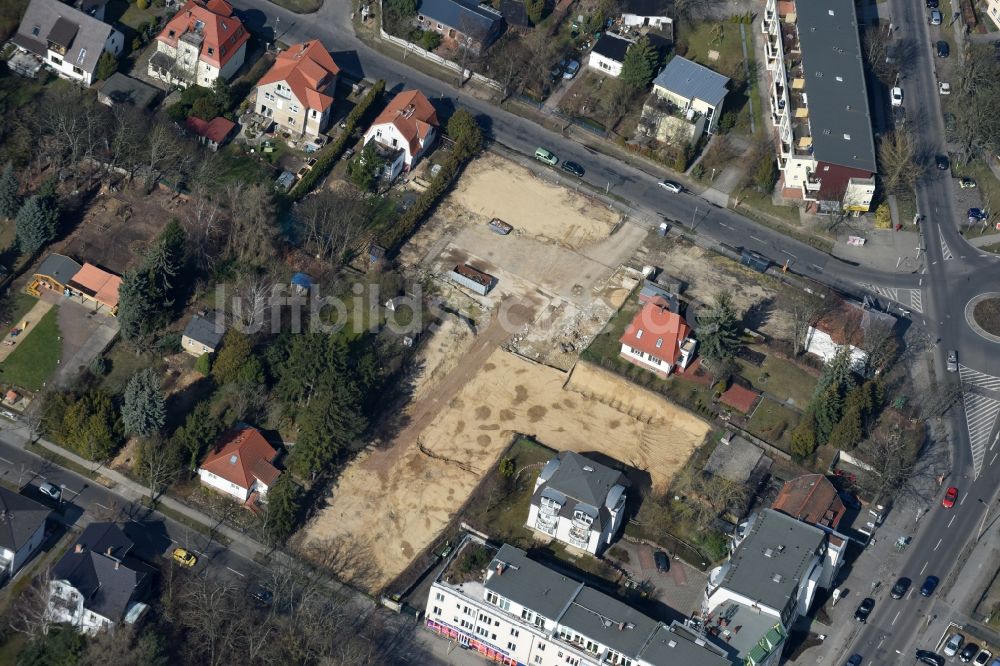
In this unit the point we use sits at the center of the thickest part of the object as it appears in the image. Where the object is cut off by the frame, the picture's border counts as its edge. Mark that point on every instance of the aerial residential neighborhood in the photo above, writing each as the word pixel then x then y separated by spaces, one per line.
pixel 586 332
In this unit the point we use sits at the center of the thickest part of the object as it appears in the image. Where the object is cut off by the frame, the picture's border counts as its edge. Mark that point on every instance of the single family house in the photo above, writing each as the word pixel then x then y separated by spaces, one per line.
pixel 461 23
pixel 409 122
pixel 241 465
pixel 22 530
pixel 211 133
pixel 298 91
pixel 203 335
pixel 204 41
pixel 69 41
pixel 97 286
pixel 686 101
pixel 608 54
pixel 658 340
pixel 858 327
pixel 98 583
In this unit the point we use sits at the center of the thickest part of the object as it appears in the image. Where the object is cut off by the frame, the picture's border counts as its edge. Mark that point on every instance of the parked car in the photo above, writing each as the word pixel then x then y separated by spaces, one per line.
pixel 943 50
pixel 950 496
pixel 573 168
pixel 897 96
pixel 932 4
pixel 864 609
pixel 662 561
pixel 953 645
pixel 935 17
pixel 671 186
pixel 901 587
pixel 572 67
pixel 50 489
pixel 977 214
pixel 983 658
pixel 930 584
pixel 262 595
pixel 968 652
pixel 543 155
pixel 930 658
pixel 942 162
pixel 944 88
pixel 184 558
pixel 967 183
pixel 854 660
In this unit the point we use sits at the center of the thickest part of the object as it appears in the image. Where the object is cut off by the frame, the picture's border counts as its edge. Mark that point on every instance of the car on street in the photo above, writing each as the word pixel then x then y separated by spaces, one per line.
pixel 967 183
pixel 930 584
pixel 900 588
pixel 977 214
pixel 950 497
pixel 930 658
pixel 544 155
pixel 573 168
pixel 943 50
pixel 953 645
pixel 933 4
pixel 662 561
pixel 983 658
pixel 671 186
pixel 50 489
pixel 897 96
pixel 944 88
pixel 854 660
pixel 898 115
pixel 572 67
pixel 942 162
pixel 952 365
pixel 262 595
pixel 935 17
pixel 968 652
pixel 864 609
pixel 184 558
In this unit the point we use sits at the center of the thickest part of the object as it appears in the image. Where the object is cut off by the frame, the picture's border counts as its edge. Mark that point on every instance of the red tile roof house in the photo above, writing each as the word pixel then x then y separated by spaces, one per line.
pixel 408 122
pixel 204 41
pixel 241 465
pixel 297 92
pixel 658 340
pixel 212 133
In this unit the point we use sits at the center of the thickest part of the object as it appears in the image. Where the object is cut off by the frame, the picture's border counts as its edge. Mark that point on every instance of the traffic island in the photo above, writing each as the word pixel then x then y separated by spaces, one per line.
pixel 983 314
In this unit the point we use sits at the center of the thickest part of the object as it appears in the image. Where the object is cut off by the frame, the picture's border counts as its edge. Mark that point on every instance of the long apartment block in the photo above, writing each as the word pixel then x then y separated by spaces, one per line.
pixel 819 104
pixel 516 611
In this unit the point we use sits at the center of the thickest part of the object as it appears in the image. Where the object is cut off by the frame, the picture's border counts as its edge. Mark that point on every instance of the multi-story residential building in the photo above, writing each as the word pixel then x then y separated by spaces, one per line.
pixel 657 339
pixel 777 565
pixel 993 11
pixel 204 41
pixel 519 612
pixel 819 104
pixel 578 501
pixel 70 42
pixel 297 92
pixel 408 123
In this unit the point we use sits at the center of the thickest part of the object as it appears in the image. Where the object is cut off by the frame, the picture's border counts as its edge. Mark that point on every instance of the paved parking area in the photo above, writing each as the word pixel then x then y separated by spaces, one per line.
pixel 85 334
pixel 682 588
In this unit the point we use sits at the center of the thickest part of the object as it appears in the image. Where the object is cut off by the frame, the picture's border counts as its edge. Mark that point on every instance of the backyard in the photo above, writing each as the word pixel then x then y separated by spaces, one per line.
pixel 36 358
pixel 780 379
pixel 773 422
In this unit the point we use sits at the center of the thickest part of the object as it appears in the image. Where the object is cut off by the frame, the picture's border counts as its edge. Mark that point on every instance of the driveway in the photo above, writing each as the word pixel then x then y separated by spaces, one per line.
pixel 682 588
pixel 85 334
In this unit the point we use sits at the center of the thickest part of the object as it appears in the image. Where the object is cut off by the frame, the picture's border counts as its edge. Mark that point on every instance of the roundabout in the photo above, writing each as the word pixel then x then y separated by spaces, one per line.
pixel 982 313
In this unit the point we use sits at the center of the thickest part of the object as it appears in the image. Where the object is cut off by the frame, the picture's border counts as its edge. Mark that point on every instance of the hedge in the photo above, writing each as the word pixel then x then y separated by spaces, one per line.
pixel 329 156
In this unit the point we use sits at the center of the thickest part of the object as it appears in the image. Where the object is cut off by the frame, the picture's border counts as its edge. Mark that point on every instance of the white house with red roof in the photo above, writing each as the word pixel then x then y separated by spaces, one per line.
pixel 204 41
pixel 658 340
pixel 297 92
pixel 241 465
pixel 409 123
pixel 212 133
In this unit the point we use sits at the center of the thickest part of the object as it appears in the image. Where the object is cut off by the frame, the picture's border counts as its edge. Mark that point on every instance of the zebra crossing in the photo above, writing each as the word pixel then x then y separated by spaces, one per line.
pixel 978 379
pixel 916 301
pixel 913 301
pixel 981 410
pixel 946 251
pixel 888 292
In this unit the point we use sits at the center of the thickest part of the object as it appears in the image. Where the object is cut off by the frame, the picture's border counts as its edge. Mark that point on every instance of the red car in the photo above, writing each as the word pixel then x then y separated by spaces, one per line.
pixel 950 497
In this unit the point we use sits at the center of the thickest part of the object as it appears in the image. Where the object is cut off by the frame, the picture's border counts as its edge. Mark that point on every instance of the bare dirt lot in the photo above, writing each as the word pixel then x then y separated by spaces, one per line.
pixel 411 490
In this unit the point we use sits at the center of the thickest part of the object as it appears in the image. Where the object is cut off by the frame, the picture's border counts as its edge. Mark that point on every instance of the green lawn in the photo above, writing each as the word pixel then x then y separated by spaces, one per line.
pixel 34 360
pixel 701 38
pixel 773 423
pixel 780 378
pixel 19 305
pixel 122 363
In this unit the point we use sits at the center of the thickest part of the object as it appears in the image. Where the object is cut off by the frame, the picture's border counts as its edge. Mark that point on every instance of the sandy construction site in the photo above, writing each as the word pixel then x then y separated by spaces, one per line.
pixel 562 265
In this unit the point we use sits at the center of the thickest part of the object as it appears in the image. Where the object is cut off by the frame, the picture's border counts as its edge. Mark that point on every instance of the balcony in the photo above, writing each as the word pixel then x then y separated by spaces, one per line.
pixel 790 40
pixel 812 183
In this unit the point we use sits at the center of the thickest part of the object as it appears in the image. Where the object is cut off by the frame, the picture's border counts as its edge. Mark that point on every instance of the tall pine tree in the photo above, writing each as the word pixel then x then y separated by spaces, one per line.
pixel 135 308
pixel 640 64
pixel 144 408
pixel 10 202
pixel 36 223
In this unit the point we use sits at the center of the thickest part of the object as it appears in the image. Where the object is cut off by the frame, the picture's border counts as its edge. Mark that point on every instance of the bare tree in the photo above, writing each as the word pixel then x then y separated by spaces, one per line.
pixel 157 465
pixel 203 224
pixel 896 156
pixel 805 309
pixel 30 613
pixel 251 236
pixel 333 222
pixel 875 43
pixel 891 459
pixel 254 294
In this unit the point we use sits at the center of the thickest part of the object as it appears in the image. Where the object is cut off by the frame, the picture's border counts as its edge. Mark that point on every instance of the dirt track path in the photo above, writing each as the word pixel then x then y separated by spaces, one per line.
pixel 423 413
pixel 33 316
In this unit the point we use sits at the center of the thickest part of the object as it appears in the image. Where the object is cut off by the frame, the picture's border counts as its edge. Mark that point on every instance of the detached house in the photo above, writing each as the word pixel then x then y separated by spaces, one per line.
pixel 410 124
pixel 461 22
pixel 608 54
pixel 22 530
pixel 69 41
pixel 578 501
pixel 241 465
pixel 858 327
pixel 686 101
pixel 204 41
pixel 297 92
pixel 98 583
pixel 657 339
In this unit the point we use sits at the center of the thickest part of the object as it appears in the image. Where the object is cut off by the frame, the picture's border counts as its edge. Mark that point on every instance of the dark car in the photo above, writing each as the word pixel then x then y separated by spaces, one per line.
pixel 932 4
pixel 864 609
pixel 931 658
pixel 930 584
pixel 662 561
pixel 901 587
pixel 976 214
pixel 853 660
pixel 850 500
pixel 262 595
pixel 942 162
pixel 943 50
pixel 573 168
pixel 968 652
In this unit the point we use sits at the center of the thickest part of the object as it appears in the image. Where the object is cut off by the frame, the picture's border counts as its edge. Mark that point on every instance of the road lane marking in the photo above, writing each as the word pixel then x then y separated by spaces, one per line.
pixel 723 224
pixel 963 498
pixel 895 618
pixel 952 520
pixel 237 572
pixel 7 461
pixel 102 506
pixel 922 568
pixel 880 643
pixel 994 459
pixel 756 239
pixel 937 544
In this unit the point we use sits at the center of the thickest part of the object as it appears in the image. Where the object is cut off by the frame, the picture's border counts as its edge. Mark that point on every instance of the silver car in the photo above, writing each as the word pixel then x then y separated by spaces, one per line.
pixel 954 643
pixel 671 186
pixel 935 17
pixel 952 365
pixel 50 489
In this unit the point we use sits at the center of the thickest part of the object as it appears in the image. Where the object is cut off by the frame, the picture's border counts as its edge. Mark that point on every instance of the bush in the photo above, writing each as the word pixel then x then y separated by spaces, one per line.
pixel 727 122
pixel 430 40
pixel 698 171
pixel 142 4
pixel 204 364
pixel 680 47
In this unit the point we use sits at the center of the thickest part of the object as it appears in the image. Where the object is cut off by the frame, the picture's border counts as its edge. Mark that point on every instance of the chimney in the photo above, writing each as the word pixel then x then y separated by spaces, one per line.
pixel 109 551
pixel 79 548
pixel 117 564
pixel 500 568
